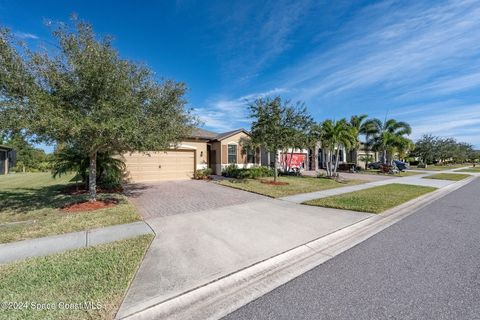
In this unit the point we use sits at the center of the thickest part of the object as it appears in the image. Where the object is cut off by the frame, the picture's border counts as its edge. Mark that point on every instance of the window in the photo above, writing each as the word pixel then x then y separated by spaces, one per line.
pixel 232 153
pixel 250 156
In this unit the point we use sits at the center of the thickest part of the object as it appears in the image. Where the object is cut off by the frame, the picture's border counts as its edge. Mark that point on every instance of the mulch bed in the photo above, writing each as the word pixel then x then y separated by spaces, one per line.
pixel 90 206
pixel 273 183
pixel 76 189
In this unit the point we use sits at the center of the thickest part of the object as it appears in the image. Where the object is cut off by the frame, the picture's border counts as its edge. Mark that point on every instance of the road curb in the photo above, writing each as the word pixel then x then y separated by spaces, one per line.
pixel 219 298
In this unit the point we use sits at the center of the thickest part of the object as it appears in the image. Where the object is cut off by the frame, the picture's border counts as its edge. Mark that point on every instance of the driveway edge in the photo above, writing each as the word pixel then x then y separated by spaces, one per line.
pixel 219 298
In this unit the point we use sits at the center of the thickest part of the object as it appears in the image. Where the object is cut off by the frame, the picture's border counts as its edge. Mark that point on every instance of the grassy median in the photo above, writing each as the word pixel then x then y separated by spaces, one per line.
pixel 448 176
pixel 30 207
pixel 374 200
pixel 93 279
pixel 294 185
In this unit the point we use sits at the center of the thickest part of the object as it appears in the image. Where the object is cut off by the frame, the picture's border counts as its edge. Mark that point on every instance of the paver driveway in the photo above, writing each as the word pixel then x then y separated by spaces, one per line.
pixel 175 197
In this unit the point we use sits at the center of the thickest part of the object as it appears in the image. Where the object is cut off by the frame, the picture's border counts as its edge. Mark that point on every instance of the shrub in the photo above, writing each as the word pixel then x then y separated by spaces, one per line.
pixel 257 172
pixel 243 173
pixel 110 171
pixel 202 174
pixel 346 166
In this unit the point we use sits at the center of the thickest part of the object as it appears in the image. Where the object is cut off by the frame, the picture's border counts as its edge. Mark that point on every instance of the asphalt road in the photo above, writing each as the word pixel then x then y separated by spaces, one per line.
pixel 427 266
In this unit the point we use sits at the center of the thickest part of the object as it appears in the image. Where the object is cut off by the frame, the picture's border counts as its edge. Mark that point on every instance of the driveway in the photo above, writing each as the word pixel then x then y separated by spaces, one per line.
pixel 175 197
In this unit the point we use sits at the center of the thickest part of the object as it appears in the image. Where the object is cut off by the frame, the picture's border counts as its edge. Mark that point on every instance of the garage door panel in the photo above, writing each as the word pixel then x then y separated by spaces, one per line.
pixel 157 166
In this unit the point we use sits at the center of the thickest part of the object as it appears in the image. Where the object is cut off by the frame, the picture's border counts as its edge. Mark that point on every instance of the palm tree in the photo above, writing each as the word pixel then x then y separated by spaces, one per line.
pixel 335 135
pixel 389 137
pixel 359 126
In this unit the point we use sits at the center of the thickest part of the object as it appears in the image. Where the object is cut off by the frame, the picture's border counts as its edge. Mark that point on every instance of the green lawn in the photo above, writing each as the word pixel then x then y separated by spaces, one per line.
pixel 99 275
pixel 448 176
pixel 30 202
pixel 442 168
pixel 374 200
pixel 472 169
pixel 295 185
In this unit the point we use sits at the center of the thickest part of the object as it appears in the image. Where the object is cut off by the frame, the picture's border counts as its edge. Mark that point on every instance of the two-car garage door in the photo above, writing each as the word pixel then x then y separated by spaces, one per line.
pixel 161 165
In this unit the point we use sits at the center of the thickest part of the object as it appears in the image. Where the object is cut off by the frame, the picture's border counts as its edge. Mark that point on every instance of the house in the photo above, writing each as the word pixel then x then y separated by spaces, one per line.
pixel 7 159
pixel 201 149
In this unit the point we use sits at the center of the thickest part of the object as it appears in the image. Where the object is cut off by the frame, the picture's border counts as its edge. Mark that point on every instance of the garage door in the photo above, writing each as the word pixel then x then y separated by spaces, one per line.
pixel 158 166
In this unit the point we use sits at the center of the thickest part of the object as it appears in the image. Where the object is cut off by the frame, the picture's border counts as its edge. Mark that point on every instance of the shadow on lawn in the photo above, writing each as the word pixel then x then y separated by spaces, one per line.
pixel 26 199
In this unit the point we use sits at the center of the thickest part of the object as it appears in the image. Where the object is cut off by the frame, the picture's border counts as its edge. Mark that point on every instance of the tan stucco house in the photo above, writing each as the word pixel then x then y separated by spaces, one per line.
pixel 201 149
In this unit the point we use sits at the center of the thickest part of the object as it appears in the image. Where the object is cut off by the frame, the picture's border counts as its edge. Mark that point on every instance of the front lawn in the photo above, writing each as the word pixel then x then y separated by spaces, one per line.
pixel 472 169
pixel 30 207
pixel 296 185
pixel 448 176
pixel 374 200
pixel 97 275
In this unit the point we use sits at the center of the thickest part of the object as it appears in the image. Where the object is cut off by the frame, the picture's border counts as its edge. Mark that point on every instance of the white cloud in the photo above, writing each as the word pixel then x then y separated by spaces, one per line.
pixel 26 35
pixel 230 114
pixel 397 48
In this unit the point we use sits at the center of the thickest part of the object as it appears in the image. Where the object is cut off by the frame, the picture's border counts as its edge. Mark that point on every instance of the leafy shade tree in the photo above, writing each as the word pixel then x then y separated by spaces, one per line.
pixel 425 148
pixel 86 96
pixel 298 125
pixel 388 137
pixel 334 136
pixel 278 125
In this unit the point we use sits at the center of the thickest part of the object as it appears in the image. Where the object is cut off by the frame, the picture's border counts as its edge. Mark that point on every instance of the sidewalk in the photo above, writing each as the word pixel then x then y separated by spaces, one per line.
pixel 10 252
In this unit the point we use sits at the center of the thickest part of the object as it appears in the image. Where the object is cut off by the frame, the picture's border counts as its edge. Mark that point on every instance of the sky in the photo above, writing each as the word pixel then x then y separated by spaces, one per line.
pixel 415 61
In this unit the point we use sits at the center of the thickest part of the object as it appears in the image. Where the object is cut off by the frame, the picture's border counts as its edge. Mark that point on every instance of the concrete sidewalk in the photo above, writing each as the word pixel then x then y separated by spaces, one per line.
pixel 417 180
pixel 194 249
pixel 13 251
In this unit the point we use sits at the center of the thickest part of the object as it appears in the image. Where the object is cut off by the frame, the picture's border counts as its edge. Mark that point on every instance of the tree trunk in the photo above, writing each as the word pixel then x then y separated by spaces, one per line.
pixel 384 156
pixel 92 177
pixel 337 154
pixel 290 162
pixel 275 167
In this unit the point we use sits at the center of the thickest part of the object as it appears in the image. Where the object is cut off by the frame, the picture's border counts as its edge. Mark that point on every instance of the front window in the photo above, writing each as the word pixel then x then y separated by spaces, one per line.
pixel 250 156
pixel 232 153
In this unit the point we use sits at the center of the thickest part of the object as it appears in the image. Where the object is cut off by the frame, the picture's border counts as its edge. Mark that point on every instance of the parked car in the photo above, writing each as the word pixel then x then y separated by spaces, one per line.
pixel 374 165
pixel 402 166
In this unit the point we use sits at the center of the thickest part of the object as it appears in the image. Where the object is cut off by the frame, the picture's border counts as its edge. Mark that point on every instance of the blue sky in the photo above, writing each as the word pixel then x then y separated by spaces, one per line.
pixel 416 61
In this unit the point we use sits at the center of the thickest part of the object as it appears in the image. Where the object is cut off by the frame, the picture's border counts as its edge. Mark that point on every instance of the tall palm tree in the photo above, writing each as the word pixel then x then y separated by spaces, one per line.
pixel 334 136
pixel 388 137
pixel 358 124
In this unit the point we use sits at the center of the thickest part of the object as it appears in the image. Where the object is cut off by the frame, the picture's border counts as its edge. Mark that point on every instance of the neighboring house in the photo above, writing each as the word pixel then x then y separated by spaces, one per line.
pixel 7 159
pixel 305 158
pixel 202 149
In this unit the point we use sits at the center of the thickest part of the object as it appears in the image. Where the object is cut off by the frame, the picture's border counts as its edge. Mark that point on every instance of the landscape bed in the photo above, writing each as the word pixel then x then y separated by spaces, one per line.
pixel 31 206
pixel 95 279
pixel 373 200
pixel 295 185
pixel 448 176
